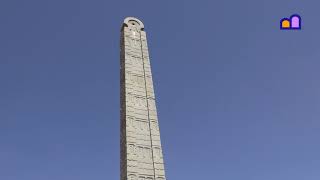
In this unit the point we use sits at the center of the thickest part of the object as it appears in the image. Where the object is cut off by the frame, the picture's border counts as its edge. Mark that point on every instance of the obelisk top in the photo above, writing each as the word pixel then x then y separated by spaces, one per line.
pixel 132 21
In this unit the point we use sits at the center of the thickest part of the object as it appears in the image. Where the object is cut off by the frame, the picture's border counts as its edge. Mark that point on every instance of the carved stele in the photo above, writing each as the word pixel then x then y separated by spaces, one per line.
pixel 141 152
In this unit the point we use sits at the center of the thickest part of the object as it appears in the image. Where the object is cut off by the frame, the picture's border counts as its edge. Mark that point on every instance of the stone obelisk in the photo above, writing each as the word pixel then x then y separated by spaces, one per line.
pixel 141 152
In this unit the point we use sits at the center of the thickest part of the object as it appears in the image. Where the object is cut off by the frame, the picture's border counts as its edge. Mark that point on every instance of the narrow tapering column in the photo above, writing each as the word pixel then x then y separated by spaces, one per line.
pixel 141 152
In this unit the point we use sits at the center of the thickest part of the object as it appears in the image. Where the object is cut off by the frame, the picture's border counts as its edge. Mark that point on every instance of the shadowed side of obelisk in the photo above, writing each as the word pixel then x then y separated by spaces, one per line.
pixel 141 152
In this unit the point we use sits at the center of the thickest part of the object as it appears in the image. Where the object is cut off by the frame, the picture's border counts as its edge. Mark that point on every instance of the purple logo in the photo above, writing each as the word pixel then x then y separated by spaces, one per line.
pixel 292 23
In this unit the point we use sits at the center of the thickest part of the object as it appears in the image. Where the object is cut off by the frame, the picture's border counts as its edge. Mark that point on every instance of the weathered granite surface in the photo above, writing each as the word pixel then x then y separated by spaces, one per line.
pixel 141 152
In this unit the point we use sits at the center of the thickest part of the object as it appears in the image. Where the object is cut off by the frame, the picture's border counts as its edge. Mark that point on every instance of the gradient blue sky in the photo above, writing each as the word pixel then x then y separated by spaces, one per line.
pixel 237 97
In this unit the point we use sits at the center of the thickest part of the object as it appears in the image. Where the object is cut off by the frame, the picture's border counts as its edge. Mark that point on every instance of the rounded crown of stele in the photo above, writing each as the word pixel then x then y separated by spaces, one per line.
pixel 133 22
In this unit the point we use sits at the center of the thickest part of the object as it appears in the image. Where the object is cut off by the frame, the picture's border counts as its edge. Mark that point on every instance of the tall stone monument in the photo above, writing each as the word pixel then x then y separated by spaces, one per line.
pixel 141 152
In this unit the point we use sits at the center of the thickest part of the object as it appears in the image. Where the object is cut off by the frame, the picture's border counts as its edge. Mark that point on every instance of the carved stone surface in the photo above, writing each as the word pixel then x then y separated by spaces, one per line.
pixel 141 152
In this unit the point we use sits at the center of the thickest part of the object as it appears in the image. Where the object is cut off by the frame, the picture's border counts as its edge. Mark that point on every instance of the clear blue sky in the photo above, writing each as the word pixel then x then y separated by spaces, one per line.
pixel 237 97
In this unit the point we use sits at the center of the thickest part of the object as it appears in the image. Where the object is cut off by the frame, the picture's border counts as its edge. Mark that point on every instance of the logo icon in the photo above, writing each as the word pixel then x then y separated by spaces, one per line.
pixel 292 23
